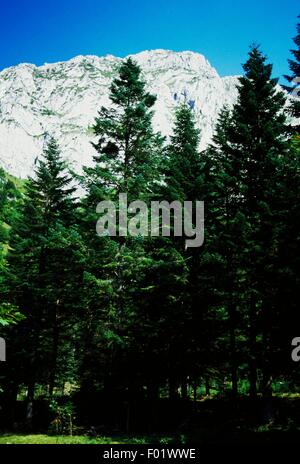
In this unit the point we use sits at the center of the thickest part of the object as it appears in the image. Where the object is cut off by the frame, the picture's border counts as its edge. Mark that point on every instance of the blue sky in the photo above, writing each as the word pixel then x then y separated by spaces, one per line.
pixel 47 31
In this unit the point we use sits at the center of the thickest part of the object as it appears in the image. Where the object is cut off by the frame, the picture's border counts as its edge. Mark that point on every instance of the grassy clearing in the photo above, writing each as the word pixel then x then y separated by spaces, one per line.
pixel 8 439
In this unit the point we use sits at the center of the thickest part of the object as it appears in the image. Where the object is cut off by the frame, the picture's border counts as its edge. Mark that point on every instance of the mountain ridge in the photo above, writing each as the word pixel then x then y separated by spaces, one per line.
pixel 62 99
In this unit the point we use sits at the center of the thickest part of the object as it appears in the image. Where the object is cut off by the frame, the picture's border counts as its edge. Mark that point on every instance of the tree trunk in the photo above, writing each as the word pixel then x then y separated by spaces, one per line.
pixel 267 397
pixel 9 404
pixel 172 388
pixel 207 387
pixel 153 396
pixel 29 406
pixel 195 392
pixel 153 390
pixel 267 392
pixel 184 390
pixel 234 377
pixel 54 350
pixel 252 348
pixel 231 308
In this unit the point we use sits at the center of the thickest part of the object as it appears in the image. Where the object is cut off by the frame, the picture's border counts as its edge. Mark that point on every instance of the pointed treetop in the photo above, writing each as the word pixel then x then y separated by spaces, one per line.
pixel 128 88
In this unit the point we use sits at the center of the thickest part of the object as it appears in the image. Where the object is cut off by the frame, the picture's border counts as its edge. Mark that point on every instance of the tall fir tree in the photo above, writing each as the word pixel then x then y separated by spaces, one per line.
pixel 117 268
pixel 127 149
pixel 42 262
pixel 252 142
pixel 183 162
pixel 294 79
pixel 181 183
pixel 10 197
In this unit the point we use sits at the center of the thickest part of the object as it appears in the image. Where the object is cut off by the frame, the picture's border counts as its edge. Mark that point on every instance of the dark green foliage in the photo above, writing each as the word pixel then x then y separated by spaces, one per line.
pixel 9 198
pixel 43 273
pixel 127 321
pixel 119 271
pixel 183 163
pixel 250 145
pixel 128 150
pixel 294 77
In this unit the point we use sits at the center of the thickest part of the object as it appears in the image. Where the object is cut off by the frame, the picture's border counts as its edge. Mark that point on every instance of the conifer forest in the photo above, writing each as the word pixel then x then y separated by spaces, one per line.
pixel 145 335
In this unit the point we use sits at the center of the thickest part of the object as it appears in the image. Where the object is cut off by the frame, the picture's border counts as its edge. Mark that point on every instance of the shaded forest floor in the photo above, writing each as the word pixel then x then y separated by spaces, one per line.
pixel 210 420
pixel 222 421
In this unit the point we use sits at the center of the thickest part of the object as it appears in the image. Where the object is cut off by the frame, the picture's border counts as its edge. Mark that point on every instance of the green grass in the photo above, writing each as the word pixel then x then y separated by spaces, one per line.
pixel 8 439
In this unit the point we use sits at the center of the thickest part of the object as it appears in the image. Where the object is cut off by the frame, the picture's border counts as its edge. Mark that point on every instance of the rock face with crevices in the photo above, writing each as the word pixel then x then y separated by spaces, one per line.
pixel 62 99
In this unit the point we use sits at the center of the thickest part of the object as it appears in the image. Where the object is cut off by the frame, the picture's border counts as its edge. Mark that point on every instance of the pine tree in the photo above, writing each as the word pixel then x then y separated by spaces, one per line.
pixel 10 196
pixel 285 264
pixel 294 78
pixel 260 131
pixel 42 263
pixel 183 164
pixel 253 145
pixel 117 268
pixel 224 231
pixel 181 183
pixel 128 149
